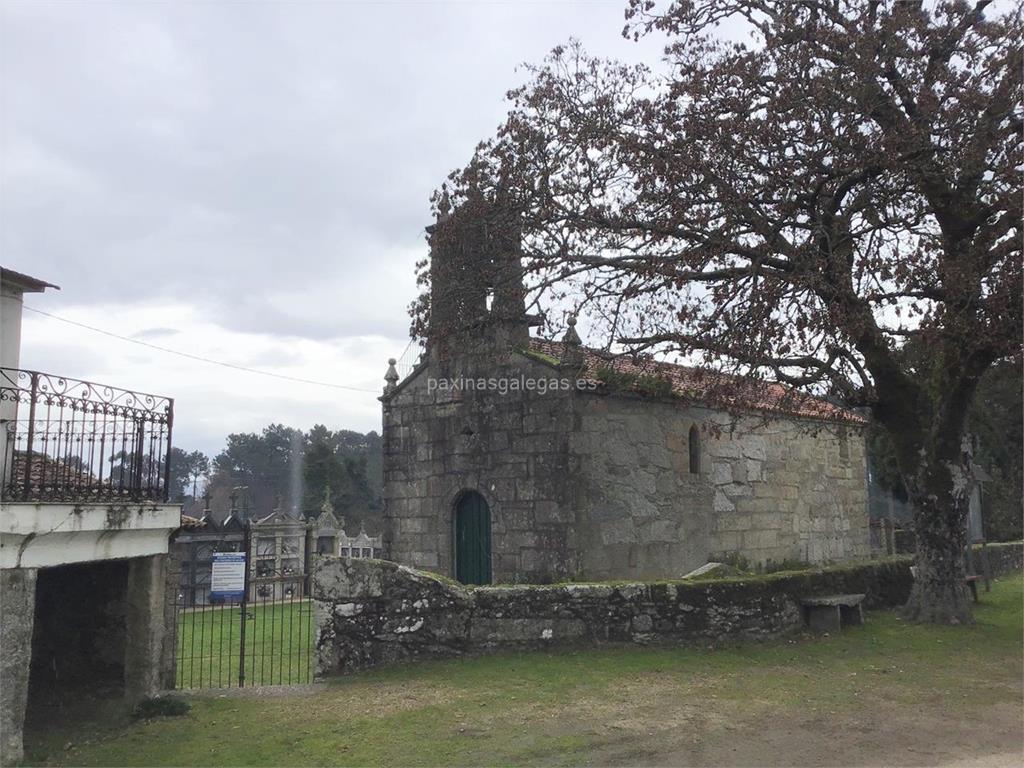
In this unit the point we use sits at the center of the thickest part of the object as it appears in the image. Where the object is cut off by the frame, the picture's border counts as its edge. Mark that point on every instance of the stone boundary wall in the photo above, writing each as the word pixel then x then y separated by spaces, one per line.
pixel 373 612
pixel 1002 558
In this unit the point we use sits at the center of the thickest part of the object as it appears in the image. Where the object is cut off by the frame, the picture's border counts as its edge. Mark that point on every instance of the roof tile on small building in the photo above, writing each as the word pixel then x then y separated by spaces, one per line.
pixel 26 283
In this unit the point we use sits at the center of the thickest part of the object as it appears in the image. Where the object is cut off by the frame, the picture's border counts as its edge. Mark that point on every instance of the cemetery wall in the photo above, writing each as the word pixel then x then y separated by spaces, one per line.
pixel 373 612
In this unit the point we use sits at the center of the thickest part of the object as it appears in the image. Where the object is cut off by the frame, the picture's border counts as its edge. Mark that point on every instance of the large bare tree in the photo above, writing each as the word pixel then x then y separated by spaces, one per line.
pixel 796 208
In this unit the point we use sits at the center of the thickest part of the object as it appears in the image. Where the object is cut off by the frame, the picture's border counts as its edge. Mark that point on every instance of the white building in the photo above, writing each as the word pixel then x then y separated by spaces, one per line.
pixel 84 529
pixel 360 545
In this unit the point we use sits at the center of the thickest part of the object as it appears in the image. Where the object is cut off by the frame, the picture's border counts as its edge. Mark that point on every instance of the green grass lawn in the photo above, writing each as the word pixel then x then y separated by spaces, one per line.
pixel 278 645
pixel 887 693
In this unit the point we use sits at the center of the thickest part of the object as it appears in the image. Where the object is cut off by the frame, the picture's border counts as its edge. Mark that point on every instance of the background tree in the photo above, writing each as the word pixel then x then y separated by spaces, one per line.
pixel 265 463
pixel 198 465
pixel 793 209
pixel 125 464
pixel 294 466
pixel 994 424
pixel 332 463
pixel 996 420
pixel 186 469
pixel 179 475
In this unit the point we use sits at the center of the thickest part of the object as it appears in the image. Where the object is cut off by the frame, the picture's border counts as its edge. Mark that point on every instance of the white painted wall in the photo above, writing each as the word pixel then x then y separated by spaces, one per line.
pixel 10 325
pixel 10 355
pixel 41 535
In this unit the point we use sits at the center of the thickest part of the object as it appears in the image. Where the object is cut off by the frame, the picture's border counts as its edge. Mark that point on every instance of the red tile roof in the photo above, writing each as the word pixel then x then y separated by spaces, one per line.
pixel 49 472
pixel 704 386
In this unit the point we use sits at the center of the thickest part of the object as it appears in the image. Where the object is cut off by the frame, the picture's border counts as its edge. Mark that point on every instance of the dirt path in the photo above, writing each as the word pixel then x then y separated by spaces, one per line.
pixel 880 735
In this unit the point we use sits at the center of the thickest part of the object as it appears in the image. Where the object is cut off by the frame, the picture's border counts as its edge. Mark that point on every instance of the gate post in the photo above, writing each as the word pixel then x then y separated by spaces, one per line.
pixel 247 546
pixel 144 626
pixel 307 558
pixel 173 609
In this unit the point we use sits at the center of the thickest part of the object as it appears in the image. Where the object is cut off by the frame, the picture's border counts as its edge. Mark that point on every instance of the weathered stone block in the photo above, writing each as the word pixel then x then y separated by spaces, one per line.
pixel 722 503
pixel 548 512
pixel 18 597
pixel 721 472
pixel 408 525
pixel 657 531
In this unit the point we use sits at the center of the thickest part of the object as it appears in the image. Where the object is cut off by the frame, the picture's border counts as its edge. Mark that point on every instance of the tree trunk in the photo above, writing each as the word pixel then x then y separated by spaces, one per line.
pixel 940 593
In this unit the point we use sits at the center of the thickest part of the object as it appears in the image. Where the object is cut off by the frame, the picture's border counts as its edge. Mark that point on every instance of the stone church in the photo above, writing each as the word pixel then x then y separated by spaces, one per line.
pixel 509 458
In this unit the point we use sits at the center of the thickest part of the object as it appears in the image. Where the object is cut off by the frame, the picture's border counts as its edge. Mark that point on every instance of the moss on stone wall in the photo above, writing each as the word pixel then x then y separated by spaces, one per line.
pixel 540 356
pixel 644 384
pixel 375 612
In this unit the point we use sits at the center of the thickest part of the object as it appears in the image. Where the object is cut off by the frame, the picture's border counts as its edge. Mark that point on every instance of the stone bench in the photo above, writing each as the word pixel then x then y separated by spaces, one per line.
pixel 829 613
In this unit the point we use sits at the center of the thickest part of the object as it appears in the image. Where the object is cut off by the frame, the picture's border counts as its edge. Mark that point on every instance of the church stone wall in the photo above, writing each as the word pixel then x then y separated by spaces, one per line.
pixel 765 490
pixel 513 449
pixel 643 514
pixel 788 490
pixel 584 485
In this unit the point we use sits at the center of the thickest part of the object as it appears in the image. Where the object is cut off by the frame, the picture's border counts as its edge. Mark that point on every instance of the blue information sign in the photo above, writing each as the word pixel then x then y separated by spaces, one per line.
pixel 227 578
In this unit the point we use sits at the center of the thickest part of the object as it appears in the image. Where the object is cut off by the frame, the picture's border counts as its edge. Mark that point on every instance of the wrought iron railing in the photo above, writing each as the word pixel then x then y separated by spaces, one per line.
pixel 64 439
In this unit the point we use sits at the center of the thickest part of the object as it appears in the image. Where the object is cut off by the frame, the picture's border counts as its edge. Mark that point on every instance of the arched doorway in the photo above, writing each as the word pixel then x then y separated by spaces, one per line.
pixel 472 539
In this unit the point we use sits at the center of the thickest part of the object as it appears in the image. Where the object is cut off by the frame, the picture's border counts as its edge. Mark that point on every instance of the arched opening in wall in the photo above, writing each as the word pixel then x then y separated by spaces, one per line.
pixel 694 442
pixel 472 539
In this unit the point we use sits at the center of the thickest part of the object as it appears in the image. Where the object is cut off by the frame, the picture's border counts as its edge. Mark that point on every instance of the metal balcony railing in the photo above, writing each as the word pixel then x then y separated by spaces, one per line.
pixel 67 440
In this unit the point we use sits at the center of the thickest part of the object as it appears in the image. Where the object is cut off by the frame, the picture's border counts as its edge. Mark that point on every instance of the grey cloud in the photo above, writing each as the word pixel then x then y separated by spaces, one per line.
pixel 168 150
pixel 148 334
pixel 267 165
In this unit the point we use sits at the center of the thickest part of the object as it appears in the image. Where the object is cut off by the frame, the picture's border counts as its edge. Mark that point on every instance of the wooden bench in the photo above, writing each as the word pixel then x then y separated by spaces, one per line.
pixel 829 613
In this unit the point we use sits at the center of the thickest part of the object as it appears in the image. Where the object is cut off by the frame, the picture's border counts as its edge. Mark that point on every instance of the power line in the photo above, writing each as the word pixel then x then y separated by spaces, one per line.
pixel 198 357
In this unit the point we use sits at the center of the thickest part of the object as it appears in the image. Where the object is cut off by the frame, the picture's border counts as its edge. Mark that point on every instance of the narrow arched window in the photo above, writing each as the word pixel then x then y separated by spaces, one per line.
pixel 694 441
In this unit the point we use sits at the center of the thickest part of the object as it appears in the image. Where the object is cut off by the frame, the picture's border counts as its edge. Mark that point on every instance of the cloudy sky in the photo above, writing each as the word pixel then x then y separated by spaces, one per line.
pixel 247 182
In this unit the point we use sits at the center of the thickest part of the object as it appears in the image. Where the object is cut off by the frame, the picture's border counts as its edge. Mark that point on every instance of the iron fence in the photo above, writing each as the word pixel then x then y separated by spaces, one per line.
pixel 257 642
pixel 263 637
pixel 70 440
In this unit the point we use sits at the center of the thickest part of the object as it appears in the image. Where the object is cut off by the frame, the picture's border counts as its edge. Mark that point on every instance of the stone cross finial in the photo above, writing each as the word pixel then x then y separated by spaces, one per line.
pixel 326 506
pixel 572 354
pixel 571 337
pixel 391 377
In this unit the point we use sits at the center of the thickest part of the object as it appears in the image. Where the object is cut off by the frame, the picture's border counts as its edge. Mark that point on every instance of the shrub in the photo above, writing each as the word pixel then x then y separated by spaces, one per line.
pixel 161 706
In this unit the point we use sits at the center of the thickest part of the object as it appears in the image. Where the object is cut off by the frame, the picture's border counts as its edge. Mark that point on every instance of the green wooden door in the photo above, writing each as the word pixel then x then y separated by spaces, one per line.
pixel 473 540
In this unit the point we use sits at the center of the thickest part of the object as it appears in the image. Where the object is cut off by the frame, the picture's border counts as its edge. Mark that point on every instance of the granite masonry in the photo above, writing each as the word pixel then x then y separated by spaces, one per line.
pixel 584 465
pixel 373 612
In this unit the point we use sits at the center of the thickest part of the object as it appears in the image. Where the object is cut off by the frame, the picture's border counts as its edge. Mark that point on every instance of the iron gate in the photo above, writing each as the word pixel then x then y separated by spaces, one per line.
pixel 263 637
